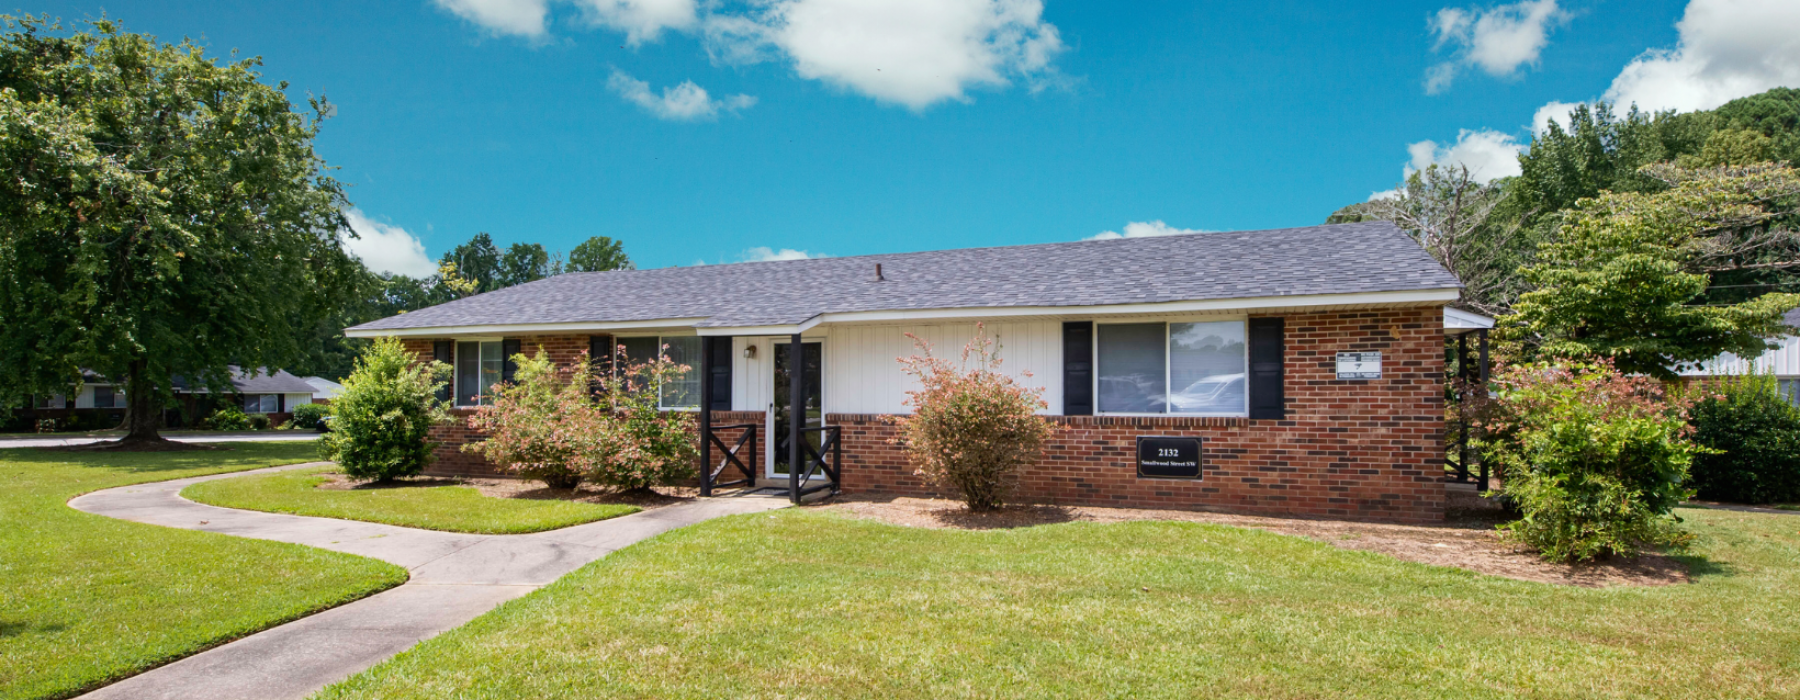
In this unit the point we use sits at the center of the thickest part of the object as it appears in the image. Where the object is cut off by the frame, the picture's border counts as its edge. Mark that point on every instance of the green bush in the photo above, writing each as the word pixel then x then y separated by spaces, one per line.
pixel 381 422
pixel 308 416
pixel 1756 438
pixel 229 418
pixel 972 427
pixel 259 421
pixel 1595 460
pixel 46 425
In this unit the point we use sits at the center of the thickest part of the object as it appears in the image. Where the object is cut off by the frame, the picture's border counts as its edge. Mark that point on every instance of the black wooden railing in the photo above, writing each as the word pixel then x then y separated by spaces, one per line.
pixel 732 456
pixel 1471 377
pixel 813 461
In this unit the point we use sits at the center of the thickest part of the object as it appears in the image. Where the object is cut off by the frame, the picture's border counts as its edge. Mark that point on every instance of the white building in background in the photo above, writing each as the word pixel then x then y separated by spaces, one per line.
pixel 1783 362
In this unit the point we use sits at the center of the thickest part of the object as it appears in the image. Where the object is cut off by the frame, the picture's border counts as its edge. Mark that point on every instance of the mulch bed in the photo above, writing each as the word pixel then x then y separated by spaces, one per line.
pixel 521 488
pixel 1468 541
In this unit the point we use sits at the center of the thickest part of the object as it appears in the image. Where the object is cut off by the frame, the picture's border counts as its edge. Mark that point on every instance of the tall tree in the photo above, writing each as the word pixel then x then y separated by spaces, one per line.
pixel 598 254
pixel 477 260
pixel 1627 276
pixel 1452 216
pixel 162 215
pixel 523 262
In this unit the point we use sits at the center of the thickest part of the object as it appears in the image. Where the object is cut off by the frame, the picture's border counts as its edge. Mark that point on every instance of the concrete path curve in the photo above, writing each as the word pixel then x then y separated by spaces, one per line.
pixel 454 578
pixel 283 436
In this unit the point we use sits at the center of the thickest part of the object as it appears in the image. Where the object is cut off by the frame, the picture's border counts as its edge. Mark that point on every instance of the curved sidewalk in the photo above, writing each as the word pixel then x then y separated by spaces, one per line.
pixel 454 578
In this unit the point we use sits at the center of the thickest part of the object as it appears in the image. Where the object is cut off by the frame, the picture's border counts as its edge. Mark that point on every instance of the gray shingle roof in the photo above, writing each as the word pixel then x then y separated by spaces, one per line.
pixel 1334 259
pixel 265 382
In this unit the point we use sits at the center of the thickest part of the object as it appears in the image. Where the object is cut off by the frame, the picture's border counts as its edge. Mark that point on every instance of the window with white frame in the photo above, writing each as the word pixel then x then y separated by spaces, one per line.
pixel 262 403
pixel 1789 390
pixel 52 401
pixel 1176 368
pixel 678 392
pixel 479 366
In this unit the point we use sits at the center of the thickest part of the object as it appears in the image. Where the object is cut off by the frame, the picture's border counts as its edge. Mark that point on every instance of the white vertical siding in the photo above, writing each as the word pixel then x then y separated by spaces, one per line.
pixel 85 399
pixel 863 375
pixel 1782 361
pixel 751 378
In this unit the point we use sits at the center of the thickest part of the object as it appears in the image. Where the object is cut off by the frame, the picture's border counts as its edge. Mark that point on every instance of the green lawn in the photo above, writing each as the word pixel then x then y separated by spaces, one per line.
pixel 85 598
pixel 452 508
pixel 807 604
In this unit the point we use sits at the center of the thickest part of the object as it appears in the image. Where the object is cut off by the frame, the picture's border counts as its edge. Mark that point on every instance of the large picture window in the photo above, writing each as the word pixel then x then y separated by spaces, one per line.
pixel 1176 368
pixel 479 365
pixel 680 392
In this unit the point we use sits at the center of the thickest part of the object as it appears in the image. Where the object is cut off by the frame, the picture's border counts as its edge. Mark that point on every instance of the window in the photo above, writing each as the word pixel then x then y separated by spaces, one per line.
pixel 479 365
pixel 52 401
pixel 261 403
pixel 103 397
pixel 679 392
pixel 1789 390
pixel 1179 368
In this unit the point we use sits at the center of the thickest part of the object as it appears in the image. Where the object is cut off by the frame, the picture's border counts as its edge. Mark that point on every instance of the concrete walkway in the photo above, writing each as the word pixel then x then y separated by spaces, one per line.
pixel 282 436
pixel 455 577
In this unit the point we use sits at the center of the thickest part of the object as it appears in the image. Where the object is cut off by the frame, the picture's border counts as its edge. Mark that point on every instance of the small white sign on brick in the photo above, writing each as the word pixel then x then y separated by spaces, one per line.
pixel 1359 365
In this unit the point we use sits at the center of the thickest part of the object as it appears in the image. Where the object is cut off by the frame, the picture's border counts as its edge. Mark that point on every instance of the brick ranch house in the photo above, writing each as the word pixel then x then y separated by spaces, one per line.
pixel 1309 362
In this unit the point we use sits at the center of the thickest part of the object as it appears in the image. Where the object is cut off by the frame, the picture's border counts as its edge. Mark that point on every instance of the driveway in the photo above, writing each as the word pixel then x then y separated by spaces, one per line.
pixel 454 578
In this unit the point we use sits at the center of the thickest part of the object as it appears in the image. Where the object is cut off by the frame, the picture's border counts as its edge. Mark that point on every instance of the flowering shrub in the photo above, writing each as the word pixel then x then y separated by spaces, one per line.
pixel 381 421
pixel 1595 460
pixel 972 427
pixel 542 425
pixel 643 446
pixel 548 425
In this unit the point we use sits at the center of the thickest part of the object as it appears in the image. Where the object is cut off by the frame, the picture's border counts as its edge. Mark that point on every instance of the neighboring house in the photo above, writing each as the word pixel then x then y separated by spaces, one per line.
pixel 1783 362
pixel 324 390
pixel 1309 361
pixel 100 403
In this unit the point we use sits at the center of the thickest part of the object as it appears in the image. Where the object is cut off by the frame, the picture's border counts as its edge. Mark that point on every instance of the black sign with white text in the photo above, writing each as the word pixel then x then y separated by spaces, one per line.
pixel 1168 457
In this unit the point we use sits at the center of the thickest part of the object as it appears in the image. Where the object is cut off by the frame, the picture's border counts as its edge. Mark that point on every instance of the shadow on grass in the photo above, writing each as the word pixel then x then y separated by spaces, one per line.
pixel 9 628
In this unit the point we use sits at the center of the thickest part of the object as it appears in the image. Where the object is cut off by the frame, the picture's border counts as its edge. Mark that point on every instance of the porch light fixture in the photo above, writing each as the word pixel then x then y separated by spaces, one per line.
pixel 749 352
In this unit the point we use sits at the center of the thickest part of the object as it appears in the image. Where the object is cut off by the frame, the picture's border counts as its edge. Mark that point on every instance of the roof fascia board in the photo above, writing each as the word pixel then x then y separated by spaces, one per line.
pixel 499 330
pixel 1459 320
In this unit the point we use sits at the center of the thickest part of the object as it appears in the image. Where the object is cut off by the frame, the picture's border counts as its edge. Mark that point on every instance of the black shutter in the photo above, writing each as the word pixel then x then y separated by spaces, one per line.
pixel 1266 397
pixel 600 354
pixel 1078 368
pixel 719 374
pixel 281 403
pixel 445 351
pixel 508 348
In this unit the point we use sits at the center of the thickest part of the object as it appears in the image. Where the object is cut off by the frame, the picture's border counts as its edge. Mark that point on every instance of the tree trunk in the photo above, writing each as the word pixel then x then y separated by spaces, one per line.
pixel 141 415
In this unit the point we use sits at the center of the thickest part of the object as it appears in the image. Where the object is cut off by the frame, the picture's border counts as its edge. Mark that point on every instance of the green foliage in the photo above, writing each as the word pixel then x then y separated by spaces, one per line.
pixel 310 416
pixel 230 418
pixel 1622 280
pixel 1754 435
pixel 259 421
pixel 598 254
pixel 523 262
pixel 1460 222
pixel 1596 151
pixel 1774 114
pixel 479 261
pixel 381 421
pixel 1596 460
pixel 645 446
pixel 972 426
pixel 165 215
pixel 543 425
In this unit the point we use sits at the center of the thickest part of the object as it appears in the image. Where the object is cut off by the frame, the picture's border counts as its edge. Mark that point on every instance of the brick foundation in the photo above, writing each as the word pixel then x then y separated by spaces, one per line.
pixel 1367 450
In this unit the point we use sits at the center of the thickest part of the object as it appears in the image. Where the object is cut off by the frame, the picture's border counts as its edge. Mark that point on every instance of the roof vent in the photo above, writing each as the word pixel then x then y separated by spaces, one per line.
pixel 878 277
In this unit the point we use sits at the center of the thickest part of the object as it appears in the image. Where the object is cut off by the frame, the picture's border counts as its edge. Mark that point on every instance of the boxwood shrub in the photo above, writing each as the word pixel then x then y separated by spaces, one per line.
pixel 1755 435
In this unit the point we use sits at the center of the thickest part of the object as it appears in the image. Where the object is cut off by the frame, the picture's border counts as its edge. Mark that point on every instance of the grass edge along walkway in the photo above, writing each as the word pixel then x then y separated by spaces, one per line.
pixel 813 604
pixel 447 508
pixel 89 599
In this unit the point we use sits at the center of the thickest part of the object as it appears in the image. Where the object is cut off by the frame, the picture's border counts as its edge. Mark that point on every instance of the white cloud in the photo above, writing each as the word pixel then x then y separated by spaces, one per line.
pixel 767 254
pixel 914 53
pixel 1553 112
pixel 1487 154
pixel 1144 229
pixel 642 20
pixel 1498 40
pixel 1727 49
pixel 386 247
pixel 516 17
pixel 684 102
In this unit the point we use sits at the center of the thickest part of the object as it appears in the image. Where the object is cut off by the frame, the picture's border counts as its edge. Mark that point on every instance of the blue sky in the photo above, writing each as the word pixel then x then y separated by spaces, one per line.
pixel 844 127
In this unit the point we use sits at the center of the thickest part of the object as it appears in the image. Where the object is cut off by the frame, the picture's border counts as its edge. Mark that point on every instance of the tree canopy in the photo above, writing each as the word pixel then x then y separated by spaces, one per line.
pixel 598 254
pixel 164 214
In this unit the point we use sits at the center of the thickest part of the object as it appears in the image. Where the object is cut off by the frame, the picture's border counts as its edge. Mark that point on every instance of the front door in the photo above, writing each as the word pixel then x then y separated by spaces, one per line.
pixel 813 406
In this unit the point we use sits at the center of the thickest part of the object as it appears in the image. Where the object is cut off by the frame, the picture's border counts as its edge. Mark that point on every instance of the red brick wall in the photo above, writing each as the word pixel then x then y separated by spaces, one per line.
pixel 1370 450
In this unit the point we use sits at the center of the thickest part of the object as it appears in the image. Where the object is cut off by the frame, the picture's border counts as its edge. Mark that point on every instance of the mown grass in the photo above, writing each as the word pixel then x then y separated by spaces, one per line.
pixel 85 599
pixel 800 604
pixel 446 507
